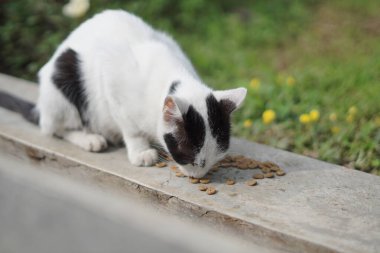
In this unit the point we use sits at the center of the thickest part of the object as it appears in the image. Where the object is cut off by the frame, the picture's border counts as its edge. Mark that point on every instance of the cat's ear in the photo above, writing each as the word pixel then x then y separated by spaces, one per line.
pixel 172 111
pixel 231 99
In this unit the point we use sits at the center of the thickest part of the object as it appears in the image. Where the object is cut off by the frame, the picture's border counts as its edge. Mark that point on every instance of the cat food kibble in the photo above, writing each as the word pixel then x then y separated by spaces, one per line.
pixel 211 190
pixel 243 165
pixel 194 180
pixel 258 176
pixel 161 164
pixel 228 158
pixel 230 181
pixel 202 187
pixel 225 165
pixel 173 168
pixel 269 175
pixel 252 164
pixel 264 165
pixel 268 169
pixel 179 174
pixel 238 157
pixel 204 180
pixel 251 182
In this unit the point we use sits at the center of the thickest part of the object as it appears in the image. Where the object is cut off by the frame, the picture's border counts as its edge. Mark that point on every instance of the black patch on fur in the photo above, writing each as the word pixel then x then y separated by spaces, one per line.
pixel 187 141
pixel 67 78
pixel 179 151
pixel 173 87
pixel 219 120
pixel 195 128
pixel 26 109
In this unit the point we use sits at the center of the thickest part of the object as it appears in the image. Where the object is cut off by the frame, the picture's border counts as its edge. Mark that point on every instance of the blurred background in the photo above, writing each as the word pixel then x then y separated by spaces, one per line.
pixel 312 68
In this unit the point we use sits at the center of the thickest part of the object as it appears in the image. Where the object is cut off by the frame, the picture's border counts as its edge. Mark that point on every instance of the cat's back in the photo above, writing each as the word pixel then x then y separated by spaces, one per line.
pixel 108 27
pixel 107 37
pixel 119 23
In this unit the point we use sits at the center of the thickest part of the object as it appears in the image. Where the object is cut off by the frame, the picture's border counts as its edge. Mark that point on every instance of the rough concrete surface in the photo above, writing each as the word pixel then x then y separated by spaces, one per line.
pixel 316 207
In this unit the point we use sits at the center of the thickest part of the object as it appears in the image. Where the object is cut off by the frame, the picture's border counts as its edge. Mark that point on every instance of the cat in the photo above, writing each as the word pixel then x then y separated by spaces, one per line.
pixel 114 79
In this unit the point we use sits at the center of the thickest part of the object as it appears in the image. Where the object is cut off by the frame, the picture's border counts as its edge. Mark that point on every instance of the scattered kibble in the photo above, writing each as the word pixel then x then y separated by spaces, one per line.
pixel 258 176
pixel 204 180
pixel 161 164
pixel 264 165
pixel 194 180
pixel 230 181
pixel 228 158
pixel 211 190
pixel 179 174
pixel 275 168
pixel 202 187
pixel 243 163
pixel 253 164
pixel 269 175
pixel 174 168
pixel 238 157
pixel 251 182
pixel 268 169
pixel 225 165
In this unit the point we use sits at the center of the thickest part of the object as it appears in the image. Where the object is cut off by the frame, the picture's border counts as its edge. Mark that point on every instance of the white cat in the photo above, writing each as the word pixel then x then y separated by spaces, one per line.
pixel 117 79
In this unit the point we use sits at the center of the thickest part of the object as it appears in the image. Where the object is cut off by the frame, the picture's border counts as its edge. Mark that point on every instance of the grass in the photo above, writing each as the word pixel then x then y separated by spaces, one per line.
pixel 301 55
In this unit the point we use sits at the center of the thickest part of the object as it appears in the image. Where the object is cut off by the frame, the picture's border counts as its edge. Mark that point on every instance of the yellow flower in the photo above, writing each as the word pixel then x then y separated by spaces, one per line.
pixel 290 81
pixel 314 115
pixel 255 83
pixel 247 123
pixel 305 118
pixel 335 129
pixel 350 118
pixel 268 116
pixel 353 110
pixel 333 117
pixel 351 114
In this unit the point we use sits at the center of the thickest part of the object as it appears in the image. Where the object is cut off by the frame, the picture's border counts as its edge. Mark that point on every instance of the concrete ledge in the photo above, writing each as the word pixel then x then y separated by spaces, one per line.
pixel 316 207
pixel 41 211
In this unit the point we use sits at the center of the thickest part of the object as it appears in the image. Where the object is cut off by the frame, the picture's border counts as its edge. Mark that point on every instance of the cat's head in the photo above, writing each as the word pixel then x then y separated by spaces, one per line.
pixel 197 135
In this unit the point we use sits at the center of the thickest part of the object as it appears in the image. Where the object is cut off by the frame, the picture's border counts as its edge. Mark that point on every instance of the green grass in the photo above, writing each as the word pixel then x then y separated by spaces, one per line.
pixel 330 48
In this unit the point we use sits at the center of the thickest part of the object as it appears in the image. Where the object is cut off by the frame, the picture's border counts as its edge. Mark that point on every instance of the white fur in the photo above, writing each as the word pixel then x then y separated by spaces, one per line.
pixel 127 68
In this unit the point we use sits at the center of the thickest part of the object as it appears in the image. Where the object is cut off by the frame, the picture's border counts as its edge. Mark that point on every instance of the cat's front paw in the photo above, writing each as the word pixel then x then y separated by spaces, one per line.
pixel 144 158
pixel 93 142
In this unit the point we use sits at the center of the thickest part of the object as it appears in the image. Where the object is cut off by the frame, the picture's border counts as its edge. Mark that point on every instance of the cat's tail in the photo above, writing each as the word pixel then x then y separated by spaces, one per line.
pixel 27 109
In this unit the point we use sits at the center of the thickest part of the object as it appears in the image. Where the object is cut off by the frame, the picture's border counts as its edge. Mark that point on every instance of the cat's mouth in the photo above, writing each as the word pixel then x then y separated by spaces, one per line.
pixel 193 171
